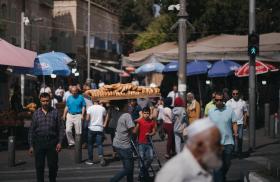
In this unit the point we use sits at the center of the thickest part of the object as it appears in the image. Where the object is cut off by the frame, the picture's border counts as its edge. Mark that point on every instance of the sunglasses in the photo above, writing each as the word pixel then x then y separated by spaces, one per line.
pixel 219 100
pixel 235 93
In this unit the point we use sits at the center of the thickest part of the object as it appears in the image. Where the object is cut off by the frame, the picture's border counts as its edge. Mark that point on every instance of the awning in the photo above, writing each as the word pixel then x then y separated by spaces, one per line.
pixel 111 68
pixel 99 69
pixel 99 61
pixel 14 56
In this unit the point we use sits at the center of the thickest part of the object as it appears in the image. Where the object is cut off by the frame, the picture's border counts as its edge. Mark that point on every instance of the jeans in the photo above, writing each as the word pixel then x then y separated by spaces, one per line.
pixel 178 142
pixel 128 165
pixel 94 136
pixel 112 132
pixel 147 154
pixel 45 148
pixel 220 175
pixel 239 142
pixel 85 131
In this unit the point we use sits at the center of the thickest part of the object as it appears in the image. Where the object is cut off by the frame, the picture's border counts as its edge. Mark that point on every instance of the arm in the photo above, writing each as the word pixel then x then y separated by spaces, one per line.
pixel 235 129
pixel 106 120
pixel 154 130
pixel 197 113
pixel 83 112
pixel 30 135
pixel 61 133
pixel 136 128
pixel 64 113
pixel 88 117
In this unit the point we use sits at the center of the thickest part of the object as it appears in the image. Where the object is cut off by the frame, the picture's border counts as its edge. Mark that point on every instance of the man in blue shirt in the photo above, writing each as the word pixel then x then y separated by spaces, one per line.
pixel 225 119
pixel 74 114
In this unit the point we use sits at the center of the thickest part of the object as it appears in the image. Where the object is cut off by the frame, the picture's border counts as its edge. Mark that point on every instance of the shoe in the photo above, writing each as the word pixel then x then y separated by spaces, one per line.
pixel 102 162
pixel 167 156
pixel 89 162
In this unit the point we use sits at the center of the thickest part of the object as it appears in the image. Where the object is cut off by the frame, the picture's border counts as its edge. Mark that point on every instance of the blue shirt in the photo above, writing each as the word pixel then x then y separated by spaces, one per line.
pixel 223 118
pixel 75 104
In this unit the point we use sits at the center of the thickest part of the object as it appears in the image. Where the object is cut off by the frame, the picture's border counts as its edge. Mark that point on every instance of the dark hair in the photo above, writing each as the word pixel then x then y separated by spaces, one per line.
pixel 44 95
pixel 120 103
pixel 219 93
pixel 146 109
pixel 168 102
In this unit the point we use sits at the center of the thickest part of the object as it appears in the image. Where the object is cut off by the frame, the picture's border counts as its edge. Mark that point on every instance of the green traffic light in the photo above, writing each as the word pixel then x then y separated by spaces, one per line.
pixel 253 51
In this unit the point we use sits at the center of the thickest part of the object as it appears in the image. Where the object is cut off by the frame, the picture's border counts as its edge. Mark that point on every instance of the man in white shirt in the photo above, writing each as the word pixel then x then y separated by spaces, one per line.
pixel 45 89
pixel 173 94
pixel 198 158
pixel 240 109
pixel 96 115
pixel 67 94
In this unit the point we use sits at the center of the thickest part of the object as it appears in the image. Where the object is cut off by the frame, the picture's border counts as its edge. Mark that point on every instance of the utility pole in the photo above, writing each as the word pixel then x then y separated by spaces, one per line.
pixel 22 46
pixel 252 78
pixel 88 45
pixel 182 39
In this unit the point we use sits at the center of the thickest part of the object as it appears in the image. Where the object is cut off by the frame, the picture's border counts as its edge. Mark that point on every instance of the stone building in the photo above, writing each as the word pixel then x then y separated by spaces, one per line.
pixel 70 36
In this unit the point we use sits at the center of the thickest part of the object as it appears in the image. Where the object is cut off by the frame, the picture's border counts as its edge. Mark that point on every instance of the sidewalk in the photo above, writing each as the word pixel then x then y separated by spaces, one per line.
pixel 264 160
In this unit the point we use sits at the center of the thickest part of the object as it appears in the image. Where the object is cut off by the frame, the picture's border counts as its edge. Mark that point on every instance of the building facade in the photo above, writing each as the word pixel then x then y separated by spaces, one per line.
pixel 70 36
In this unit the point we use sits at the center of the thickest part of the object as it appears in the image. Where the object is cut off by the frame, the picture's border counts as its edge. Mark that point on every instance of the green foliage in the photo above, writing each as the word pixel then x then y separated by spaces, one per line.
pixel 157 32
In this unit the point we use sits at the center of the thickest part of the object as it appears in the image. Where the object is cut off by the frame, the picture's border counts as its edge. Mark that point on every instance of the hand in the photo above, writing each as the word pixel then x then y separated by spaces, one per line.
pixel 64 118
pixel 82 118
pixel 30 151
pixel 148 134
pixel 58 147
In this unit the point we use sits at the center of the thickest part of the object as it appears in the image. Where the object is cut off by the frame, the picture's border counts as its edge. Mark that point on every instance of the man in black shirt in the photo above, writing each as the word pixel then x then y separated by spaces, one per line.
pixel 45 137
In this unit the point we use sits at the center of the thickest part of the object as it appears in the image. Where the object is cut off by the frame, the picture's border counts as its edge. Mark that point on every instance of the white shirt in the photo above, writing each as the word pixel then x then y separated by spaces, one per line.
pixel 96 115
pixel 183 168
pixel 173 95
pixel 54 102
pixel 101 84
pixel 135 82
pixel 167 115
pixel 45 90
pixel 239 107
pixel 59 92
pixel 66 95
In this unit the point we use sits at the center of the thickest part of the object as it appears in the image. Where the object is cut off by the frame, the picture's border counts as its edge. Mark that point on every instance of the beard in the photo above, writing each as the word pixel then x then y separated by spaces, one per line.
pixel 212 161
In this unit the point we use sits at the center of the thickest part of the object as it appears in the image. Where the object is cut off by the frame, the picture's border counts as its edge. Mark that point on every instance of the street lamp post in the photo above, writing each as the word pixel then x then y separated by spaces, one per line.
pixel 88 43
pixel 252 79
pixel 182 87
pixel 22 46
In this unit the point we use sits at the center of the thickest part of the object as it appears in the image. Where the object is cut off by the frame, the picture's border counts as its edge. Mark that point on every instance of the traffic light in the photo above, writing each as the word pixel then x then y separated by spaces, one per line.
pixel 253 44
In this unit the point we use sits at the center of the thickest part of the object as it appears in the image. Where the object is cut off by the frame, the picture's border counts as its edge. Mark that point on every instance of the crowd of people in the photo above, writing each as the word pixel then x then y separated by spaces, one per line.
pixel 190 139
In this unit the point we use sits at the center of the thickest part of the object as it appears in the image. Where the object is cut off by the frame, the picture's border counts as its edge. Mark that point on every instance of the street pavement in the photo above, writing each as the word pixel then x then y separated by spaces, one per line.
pixel 267 149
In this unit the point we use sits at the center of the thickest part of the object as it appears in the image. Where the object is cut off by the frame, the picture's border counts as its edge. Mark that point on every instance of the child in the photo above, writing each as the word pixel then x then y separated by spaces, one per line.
pixel 146 128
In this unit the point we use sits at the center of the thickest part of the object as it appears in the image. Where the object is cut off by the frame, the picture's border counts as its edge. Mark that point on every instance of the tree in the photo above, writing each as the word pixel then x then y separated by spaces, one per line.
pixel 156 33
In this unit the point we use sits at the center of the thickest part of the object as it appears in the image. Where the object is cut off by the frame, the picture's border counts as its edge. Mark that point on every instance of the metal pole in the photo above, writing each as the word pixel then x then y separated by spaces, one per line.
pixel 252 79
pixel 182 86
pixel 78 149
pixel 88 45
pixel 11 151
pixel 22 46
pixel 266 119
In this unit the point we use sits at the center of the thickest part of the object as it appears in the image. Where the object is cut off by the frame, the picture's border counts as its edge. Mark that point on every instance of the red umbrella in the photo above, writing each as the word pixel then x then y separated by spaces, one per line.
pixel 261 68
pixel 15 56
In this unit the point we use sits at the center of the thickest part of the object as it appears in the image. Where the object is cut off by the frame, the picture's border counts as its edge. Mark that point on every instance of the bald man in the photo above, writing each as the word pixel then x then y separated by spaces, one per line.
pixel 74 114
pixel 199 156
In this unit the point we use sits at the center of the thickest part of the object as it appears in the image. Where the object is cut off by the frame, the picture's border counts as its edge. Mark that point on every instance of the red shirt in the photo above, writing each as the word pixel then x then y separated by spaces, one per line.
pixel 145 126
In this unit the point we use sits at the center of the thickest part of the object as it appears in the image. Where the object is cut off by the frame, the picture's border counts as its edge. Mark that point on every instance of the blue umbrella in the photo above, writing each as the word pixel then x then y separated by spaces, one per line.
pixel 45 67
pixel 223 68
pixel 198 67
pixel 171 67
pixel 150 67
pixel 56 56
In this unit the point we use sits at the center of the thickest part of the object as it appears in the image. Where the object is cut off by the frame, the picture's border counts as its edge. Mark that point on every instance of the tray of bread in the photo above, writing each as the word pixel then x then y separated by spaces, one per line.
pixel 119 91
